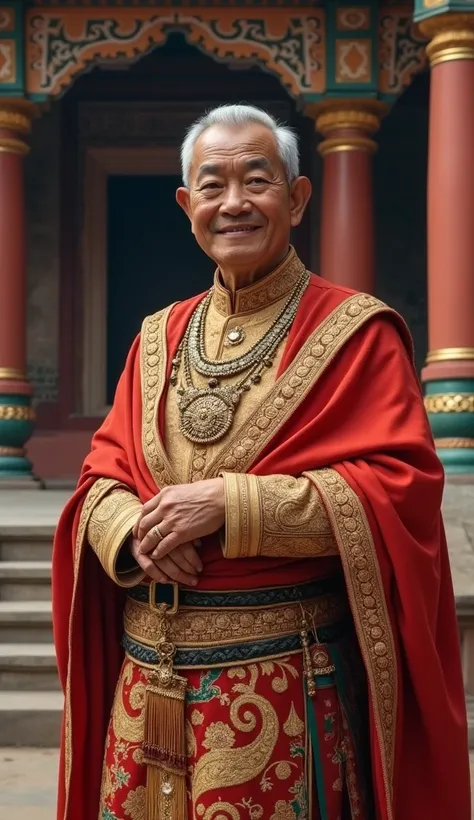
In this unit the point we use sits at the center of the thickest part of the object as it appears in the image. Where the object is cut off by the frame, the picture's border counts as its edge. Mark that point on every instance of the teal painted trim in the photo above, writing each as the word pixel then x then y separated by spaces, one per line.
pixel 349 89
pixel 318 766
pixel 457 461
pixel 421 13
pixel 15 399
pixel 16 88
pixel 449 386
pixel 14 467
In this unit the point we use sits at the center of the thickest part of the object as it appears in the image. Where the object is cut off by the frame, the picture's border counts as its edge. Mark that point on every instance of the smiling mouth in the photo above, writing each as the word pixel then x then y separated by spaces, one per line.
pixel 240 230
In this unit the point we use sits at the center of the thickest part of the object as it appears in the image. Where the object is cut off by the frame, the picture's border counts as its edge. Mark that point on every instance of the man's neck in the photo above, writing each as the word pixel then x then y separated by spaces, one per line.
pixel 235 279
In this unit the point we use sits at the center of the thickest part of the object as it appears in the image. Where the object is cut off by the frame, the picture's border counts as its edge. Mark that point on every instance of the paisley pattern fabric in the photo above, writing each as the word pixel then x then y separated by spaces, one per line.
pixel 258 747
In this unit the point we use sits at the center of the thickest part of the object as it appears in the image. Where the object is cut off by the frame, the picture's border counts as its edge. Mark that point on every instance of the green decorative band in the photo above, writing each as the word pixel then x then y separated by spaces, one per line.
pixel 454 443
pixel 16 412
pixel 229 655
pixel 449 403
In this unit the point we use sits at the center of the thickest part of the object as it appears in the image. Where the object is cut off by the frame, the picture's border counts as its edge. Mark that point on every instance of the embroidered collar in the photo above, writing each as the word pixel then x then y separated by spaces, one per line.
pixel 261 294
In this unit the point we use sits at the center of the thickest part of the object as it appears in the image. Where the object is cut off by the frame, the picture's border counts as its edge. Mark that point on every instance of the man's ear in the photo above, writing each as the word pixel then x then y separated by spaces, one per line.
pixel 300 193
pixel 184 201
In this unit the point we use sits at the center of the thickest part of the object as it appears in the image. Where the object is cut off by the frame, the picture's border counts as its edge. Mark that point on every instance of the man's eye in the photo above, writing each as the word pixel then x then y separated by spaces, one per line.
pixel 258 181
pixel 209 186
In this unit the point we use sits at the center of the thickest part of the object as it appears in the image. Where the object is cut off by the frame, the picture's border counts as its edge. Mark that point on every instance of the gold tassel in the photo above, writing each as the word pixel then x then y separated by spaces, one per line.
pixel 164 744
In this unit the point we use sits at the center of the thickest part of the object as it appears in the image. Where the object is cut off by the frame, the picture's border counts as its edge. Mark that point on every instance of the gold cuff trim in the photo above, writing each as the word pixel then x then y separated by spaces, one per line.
pixel 243 518
pixel 449 403
pixel 450 354
pixel 369 609
pixel 109 526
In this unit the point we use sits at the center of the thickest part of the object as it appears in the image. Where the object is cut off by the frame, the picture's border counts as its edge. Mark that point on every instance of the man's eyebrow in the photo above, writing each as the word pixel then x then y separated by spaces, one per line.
pixel 258 164
pixel 207 168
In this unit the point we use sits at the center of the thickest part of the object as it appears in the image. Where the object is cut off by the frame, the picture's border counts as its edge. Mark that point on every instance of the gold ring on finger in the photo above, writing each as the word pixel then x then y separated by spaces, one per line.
pixel 157 532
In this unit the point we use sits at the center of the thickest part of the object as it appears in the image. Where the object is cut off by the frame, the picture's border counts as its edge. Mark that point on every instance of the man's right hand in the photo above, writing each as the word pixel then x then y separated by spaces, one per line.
pixel 181 565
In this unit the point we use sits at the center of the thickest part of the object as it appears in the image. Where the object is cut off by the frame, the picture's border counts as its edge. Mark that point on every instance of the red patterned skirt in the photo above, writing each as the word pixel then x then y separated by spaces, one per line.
pixel 258 745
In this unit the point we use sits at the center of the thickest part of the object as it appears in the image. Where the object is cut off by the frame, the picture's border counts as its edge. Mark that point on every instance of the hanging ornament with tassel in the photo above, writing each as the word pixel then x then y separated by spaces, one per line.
pixel 164 744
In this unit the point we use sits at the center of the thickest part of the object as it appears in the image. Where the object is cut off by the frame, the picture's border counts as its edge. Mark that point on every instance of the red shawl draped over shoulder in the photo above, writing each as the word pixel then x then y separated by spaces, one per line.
pixel 346 408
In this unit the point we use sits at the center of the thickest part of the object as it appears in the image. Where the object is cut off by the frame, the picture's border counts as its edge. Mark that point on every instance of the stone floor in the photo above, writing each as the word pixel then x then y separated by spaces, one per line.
pixel 28 783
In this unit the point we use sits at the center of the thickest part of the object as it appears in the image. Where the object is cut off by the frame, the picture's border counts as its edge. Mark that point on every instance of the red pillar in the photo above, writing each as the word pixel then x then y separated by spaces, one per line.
pixel 449 374
pixel 347 219
pixel 16 412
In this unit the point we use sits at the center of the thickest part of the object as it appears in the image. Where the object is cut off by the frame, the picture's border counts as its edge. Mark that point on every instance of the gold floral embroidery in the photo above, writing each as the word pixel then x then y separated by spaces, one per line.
pixel 369 609
pixel 153 347
pixel 219 736
pixel 110 523
pixel 126 726
pixel 283 811
pixel 291 388
pixel 262 293
pixel 197 717
pixel 227 767
pixel 293 725
pixel 135 804
pixel 275 515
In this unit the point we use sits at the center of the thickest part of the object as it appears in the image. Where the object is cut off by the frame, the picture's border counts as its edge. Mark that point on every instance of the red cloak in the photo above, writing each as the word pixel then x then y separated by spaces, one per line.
pixel 355 415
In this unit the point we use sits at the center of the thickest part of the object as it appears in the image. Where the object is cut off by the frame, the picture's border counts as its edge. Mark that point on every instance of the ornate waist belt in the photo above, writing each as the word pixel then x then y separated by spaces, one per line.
pixel 226 628
pixel 203 629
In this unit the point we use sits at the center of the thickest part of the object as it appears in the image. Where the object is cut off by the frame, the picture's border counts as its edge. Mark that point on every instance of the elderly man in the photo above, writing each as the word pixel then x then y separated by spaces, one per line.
pixel 253 607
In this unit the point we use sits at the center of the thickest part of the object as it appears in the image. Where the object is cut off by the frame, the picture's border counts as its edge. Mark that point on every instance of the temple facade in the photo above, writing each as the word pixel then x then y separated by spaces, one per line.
pixel 95 97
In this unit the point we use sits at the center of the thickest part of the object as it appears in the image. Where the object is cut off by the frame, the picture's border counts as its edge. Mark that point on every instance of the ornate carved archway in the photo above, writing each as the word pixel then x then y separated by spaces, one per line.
pixel 350 50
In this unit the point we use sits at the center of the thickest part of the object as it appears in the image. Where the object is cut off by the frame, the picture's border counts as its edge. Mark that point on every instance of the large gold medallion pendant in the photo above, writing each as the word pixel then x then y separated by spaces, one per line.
pixel 206 414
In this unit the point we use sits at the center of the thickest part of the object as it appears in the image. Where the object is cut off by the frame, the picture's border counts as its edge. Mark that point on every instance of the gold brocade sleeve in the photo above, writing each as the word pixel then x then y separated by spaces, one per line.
pixel 110 524
pixel 277 516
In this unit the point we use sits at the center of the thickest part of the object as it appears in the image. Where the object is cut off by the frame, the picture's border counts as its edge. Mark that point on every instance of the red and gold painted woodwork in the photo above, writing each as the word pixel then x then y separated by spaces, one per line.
pixel 347 219
pixel 16 413
pixel 449 372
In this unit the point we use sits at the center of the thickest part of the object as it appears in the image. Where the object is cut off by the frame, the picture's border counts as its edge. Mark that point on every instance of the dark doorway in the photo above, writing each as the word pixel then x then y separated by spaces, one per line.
pixel 153 260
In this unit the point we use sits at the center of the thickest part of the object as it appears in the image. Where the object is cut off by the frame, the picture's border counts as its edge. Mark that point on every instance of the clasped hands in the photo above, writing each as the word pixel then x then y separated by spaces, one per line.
pixel 170 527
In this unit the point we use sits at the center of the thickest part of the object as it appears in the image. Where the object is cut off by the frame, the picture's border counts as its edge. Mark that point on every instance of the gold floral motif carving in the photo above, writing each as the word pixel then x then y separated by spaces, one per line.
pixel 369 609
pixel 293 386
pixel 153 376
pixel 275 515
pixel 293 725
pixel 213 627
pixel 449 403
pixel 19 412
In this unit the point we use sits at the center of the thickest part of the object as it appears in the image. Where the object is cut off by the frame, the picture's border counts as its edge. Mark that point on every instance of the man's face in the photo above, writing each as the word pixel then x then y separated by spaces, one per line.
pixel 239 202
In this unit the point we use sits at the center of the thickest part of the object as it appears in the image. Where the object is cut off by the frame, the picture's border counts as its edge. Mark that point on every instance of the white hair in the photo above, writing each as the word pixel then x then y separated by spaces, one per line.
pixel 237 116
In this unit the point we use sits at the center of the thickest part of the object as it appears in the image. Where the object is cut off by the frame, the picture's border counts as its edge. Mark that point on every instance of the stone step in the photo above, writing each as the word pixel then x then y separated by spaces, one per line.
pixel 25 542
pixel 26 622
pixel 30 718
pixel 28 667
pixel 25 580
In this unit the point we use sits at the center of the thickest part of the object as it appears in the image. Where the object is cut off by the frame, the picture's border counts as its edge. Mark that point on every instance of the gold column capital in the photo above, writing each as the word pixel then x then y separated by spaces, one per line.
pixel 347 124
pixel 451 37
pixel 16 115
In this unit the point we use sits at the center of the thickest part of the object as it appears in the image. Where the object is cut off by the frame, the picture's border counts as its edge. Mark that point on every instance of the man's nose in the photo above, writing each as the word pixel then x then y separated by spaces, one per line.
pixel 235 200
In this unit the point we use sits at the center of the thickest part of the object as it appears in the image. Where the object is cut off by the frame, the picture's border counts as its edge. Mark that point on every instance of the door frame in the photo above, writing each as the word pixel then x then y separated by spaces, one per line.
pixel 100 163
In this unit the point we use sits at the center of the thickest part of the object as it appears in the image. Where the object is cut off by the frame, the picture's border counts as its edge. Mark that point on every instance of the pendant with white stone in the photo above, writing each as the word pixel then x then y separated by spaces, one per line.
pixel 235 336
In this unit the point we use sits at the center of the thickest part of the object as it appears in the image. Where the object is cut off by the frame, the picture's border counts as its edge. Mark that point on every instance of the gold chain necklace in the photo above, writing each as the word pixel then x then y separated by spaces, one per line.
pixel 207 413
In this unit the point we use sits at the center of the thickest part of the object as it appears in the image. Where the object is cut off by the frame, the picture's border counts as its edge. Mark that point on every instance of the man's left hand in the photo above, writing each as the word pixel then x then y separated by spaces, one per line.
pixel 183 513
